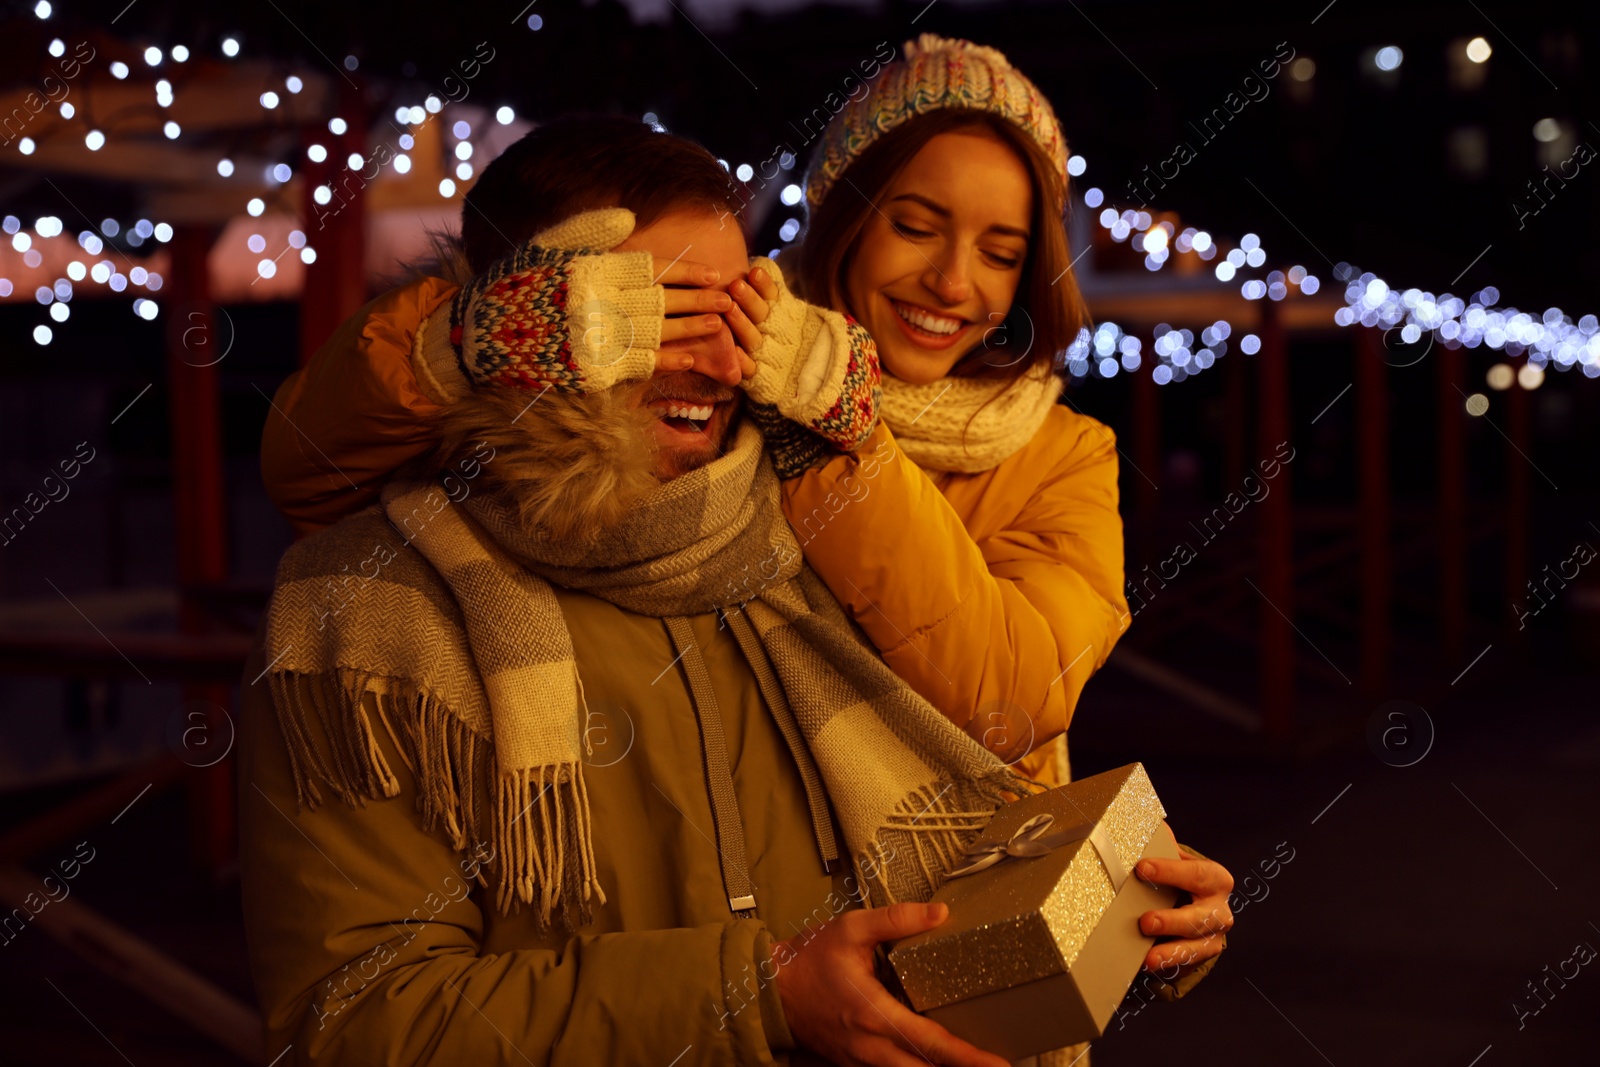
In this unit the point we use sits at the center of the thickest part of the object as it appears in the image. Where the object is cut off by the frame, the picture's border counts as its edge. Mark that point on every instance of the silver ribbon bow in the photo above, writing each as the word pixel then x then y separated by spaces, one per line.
pixel 1033 838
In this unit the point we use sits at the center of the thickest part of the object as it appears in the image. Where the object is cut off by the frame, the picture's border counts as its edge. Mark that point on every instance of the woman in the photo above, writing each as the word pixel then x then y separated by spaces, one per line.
pixel 988 569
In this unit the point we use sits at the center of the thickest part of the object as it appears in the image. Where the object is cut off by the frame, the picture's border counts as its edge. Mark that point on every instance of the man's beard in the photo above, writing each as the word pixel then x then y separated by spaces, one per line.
pixel 683 454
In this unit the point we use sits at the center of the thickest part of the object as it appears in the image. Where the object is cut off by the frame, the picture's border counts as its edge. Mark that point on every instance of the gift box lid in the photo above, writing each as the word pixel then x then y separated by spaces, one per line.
pixel 1027 918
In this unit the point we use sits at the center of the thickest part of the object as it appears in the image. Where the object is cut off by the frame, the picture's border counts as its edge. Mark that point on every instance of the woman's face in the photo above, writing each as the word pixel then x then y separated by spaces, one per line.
pixel 939 260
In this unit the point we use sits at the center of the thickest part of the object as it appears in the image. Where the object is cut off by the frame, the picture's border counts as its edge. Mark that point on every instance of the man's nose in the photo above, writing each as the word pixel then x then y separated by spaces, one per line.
pixel 715 356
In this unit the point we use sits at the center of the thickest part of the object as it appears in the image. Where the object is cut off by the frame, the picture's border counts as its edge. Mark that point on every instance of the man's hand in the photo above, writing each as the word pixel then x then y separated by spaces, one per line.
pixel 836 1006
pixel 1196 928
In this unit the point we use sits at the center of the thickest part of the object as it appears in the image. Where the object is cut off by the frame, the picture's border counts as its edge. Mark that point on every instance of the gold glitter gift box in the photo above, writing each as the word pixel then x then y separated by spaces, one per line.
pixel 1042 940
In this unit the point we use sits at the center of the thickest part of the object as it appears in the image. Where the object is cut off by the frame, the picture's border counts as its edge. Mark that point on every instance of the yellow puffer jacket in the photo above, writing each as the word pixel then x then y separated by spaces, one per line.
pixel 996 595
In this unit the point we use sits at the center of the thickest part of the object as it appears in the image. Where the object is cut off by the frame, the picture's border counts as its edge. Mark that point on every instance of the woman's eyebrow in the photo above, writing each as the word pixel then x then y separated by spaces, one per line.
pixel 917 198
pixel 944 212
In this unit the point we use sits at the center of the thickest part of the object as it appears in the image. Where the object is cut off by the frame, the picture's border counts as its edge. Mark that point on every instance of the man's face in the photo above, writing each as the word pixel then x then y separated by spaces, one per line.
pixel 693 412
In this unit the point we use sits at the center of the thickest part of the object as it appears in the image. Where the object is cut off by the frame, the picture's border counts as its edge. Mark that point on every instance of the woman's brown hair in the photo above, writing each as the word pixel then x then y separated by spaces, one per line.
pixel 1048 312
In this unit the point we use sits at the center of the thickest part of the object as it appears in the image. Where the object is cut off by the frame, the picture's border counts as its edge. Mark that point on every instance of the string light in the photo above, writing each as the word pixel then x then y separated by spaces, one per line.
pixel 1548 339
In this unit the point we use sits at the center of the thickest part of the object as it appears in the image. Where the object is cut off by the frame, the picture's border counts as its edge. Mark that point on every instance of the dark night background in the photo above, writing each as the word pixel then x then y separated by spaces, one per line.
pixel 1422 899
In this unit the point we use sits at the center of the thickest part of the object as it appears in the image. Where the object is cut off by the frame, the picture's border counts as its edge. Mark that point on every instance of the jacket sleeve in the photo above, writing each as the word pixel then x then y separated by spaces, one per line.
pixel 1000 634
pixel 365 948
pixel 340 425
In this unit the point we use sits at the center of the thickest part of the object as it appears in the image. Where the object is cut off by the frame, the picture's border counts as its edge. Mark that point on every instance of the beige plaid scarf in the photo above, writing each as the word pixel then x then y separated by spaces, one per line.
pixel 460 651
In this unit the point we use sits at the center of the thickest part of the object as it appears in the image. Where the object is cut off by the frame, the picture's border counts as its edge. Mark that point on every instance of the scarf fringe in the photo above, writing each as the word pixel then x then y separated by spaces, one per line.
pixel 548 853
pixel 558 861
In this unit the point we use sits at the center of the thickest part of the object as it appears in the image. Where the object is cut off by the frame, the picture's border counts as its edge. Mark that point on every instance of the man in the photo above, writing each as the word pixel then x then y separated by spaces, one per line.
pixel 386 930
pixel 601 796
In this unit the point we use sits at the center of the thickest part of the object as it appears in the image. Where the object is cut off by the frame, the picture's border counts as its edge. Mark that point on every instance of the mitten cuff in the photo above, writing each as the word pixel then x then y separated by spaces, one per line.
pixel 435 361
pixel 821 369
pixel 792 448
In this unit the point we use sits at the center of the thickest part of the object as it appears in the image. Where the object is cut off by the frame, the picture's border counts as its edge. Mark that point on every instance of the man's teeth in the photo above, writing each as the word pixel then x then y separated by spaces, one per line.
pixel 700 413
pixel 924 320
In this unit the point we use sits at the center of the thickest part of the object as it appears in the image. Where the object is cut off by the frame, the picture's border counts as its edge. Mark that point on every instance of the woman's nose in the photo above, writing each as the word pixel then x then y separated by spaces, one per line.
pixel 949 275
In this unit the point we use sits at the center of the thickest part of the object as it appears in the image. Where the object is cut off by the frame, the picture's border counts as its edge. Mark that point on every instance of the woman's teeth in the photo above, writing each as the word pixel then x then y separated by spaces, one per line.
pixel 697 413
pixel 924 320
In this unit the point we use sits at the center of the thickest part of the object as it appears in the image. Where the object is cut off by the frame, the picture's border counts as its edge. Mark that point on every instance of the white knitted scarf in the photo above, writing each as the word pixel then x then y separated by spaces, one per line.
pixel 967 424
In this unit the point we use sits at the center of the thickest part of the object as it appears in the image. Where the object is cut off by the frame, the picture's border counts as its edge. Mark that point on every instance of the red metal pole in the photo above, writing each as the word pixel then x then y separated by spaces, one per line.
pixel 1277 534
pixel 1373 518
pixel 1235 419
pixel 1452 503
pixel 1518 462
pixel 1146 442
pixel 199 499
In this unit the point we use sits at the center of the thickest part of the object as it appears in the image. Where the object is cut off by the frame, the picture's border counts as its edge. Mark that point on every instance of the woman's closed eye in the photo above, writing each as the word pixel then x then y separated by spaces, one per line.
pixel 910 231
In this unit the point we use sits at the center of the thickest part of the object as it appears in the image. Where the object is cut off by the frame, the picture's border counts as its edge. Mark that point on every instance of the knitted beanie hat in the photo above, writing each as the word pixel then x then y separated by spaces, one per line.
pixel 934 72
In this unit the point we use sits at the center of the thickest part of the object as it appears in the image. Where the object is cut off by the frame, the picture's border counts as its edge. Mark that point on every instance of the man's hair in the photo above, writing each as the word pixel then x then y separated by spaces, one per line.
pixel 577 163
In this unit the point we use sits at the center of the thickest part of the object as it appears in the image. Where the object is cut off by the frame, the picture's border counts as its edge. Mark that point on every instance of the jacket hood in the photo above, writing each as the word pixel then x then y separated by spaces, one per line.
pixel 571 462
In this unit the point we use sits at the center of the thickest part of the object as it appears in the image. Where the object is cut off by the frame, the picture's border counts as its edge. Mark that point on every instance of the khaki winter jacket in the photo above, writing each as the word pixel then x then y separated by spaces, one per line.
pixel 369 945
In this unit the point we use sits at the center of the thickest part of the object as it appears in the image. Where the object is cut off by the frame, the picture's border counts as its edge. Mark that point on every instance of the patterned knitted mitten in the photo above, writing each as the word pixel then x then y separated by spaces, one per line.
pixel 561 312
pixel 815 393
